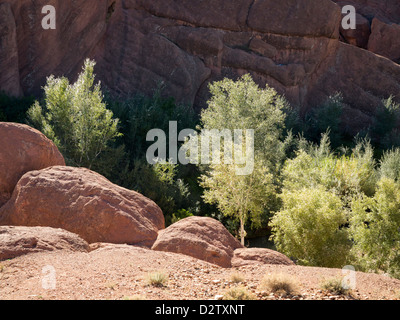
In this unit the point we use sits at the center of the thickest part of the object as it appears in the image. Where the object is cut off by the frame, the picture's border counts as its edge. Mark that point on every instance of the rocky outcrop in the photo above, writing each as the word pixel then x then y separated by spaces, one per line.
pixel 384 39
pixel 199 237
pixel 292 45
pixel 9 76
pixel 248 256
pixel 18 241
pixel 85 203
pixel 23 149
pixel 378 25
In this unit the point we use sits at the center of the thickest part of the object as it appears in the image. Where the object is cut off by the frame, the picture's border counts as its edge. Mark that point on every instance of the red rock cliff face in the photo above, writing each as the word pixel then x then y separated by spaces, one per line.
pixel 293 45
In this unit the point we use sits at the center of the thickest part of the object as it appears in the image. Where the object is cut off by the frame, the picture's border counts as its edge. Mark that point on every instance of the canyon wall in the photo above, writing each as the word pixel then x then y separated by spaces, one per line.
pixel 296 46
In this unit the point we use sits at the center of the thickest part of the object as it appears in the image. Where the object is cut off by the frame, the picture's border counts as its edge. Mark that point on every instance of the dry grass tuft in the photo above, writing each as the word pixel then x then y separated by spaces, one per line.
pixel 335 286
pixel 157 279
pixel 237 277
pixel 238 293
pixel 280 284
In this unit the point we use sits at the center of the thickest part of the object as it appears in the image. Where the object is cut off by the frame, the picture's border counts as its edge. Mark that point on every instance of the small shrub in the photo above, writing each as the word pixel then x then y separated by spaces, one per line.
pixel 335 286
pixel 280 284
pixel 157 279
pixel 390 165
pixel 238 293
pixel 237 277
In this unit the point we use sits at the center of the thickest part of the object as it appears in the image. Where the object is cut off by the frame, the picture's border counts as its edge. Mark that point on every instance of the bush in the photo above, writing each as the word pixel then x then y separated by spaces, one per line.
pixel 173 187
pixel 237 278
pixel 326 117
pixel 375 225
pixel 390 165
pixel 179 215
pixel 345 175
pixel 76 118
pixel 160 183
pixel 238 293
pixel 335 286
pixel 310 227
pixel 157 279
pixel 384 131
pixel 140 114
pixel 280 284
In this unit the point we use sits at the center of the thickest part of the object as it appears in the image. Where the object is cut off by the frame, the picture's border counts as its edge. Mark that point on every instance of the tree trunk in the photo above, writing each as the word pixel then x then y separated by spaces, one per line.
pixel 242 232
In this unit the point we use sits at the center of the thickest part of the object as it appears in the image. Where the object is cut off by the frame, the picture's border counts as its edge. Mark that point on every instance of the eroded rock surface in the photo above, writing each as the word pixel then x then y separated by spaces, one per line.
pixel 23 149
pixel 83 202
pixel 199 237
pixel 18 241
pixel 292 45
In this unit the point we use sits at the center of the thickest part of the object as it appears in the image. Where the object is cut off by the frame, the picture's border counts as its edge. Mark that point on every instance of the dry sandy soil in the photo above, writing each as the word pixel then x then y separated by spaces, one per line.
pixel 119 272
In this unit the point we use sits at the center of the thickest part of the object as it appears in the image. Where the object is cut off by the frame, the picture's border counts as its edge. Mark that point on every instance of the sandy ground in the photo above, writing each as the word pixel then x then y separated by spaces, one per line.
pixel 120 272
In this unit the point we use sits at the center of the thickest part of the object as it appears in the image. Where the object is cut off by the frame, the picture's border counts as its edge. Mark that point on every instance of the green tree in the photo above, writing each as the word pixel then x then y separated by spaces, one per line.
pixel 318 189
pixel 75 117
pixel 309 227
pixel 385 130
pixel 242 197
pixel 346 175
pixel 375 225
pixel 243 105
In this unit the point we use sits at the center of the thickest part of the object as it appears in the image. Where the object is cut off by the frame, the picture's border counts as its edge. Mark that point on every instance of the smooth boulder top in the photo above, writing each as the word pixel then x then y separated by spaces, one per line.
pixel 23 149
pixel 199 237
pixel 249 256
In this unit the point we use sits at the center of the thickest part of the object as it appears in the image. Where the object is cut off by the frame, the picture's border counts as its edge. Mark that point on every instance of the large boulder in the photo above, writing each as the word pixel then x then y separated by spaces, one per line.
pixel 83 202
pixel 23 149
pixel 384 39
pixel 18 241
pixel 199 237
pixel 249 256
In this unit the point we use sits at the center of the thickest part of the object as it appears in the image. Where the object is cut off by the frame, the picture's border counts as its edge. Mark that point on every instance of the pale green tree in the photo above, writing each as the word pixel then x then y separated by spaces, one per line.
pixel 75 117
pixel 241 197
pixel 310 227
pixel 242 104
pixel 375 226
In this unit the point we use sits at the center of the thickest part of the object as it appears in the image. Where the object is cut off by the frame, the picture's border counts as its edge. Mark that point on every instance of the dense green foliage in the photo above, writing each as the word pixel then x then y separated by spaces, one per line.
pixel 243 105
pixel 375 225
pixel 76 118
pixel 13 109
pixel 173 187
pixel 318 189
pixel 329 198
pixel 308 228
